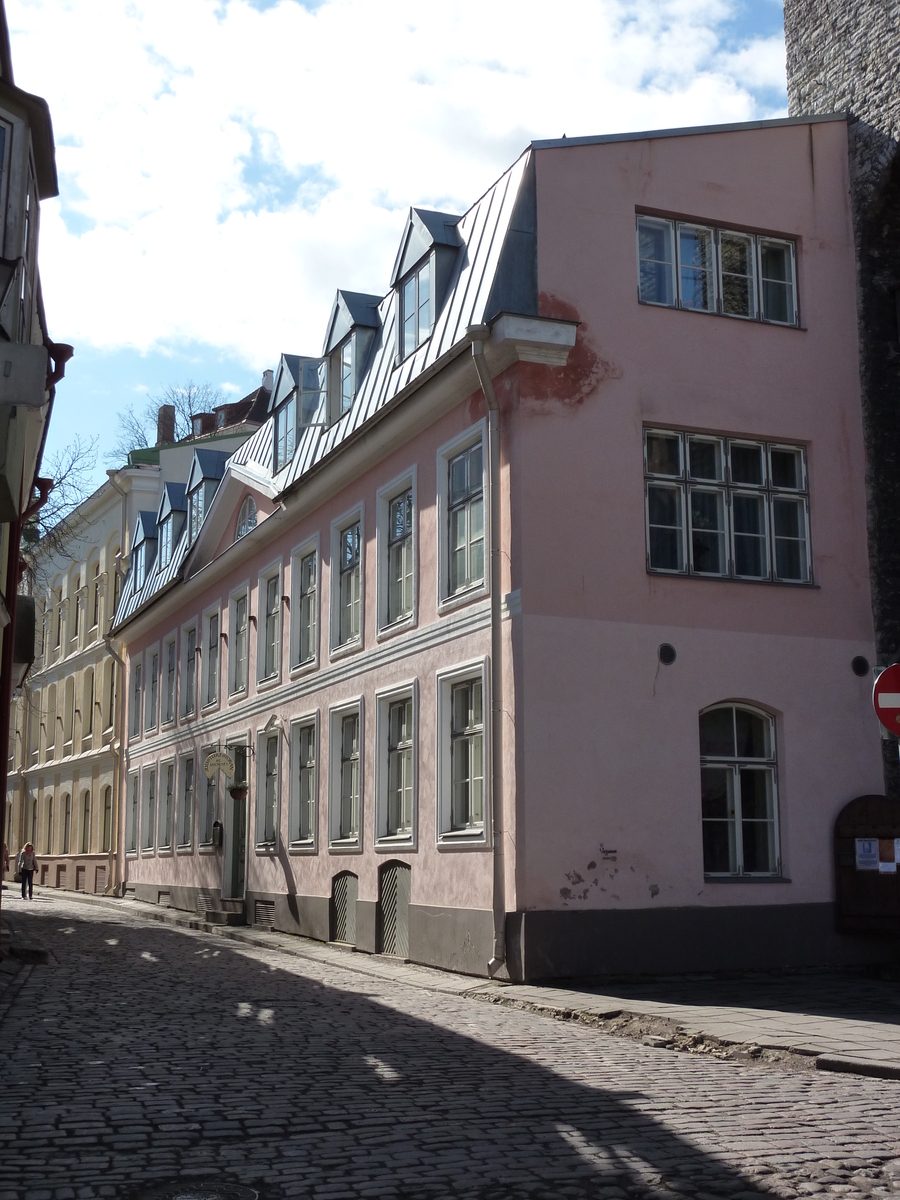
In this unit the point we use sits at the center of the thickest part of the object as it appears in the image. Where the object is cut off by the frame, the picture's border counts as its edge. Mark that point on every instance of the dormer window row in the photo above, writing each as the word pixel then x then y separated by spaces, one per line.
pixel 415 309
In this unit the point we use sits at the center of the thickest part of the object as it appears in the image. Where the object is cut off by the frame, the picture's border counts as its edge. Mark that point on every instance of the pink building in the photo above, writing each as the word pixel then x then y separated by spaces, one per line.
pixel 535 623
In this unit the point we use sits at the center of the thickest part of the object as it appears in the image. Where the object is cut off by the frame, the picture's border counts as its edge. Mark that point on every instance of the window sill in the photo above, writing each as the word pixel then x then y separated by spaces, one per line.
pixel 210 706
pixel 460 599
pixel 210 849
pixel 303 848
pixel 184 850
pixel 151 853
pixel 746 879
pixel 298 670
pixel 351 846
pixel 187 717
pixel 165 852
pixel 345 649
pixel 463 841
pixel 267 850
pixel 234 697
pixel 404 625
pixel 266 685
pixel 391 843
pixel 705 312
pixel 810 585
pixel 166 725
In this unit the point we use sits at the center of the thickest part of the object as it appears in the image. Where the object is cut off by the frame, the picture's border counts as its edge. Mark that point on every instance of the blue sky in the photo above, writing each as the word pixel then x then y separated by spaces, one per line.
pixel 225 165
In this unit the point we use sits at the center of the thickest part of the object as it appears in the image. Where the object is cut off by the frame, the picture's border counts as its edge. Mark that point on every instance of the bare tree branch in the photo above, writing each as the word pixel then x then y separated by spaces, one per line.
pixel 137 430
pixel 56 529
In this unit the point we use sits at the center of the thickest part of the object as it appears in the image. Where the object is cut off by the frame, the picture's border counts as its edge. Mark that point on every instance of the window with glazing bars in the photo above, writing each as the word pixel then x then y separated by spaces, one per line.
pixel 350 583
pixel 738 792
pixel 190 672
pixel 285 431
pixel 136 700
pixel 148 824
pixel 212 659
pixel 239 644
pixel 346 376
pixel 271 621
pixel 268 824
pixel 167 809
pixel 304 811
pixel 131 822
pixel 186 824
pixel 153 692
pixel 86 823
pixel 466 519
pixel 415 303
pixel 107 820
pixel 466 756
pixel 195 512
pixel 208 809
pixel 170 680
pixel 348 823
pixel 400 768
pixel 165 541
pixel 726 507
pixel 67 821
pixel 707 269
pixel 306 646
pixel 95 607
pixel 400 557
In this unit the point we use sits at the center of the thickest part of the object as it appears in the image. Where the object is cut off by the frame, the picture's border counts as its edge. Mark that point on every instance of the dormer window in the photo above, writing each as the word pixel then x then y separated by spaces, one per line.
pixel 415 308
pixel 347 388
pixel 246 518
pixel 285 431
pixel 195 512
pixel 139 570
pixel 166 541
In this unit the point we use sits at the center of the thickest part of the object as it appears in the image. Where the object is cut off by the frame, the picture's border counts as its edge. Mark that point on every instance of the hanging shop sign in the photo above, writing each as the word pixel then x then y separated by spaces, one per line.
pixel 218 761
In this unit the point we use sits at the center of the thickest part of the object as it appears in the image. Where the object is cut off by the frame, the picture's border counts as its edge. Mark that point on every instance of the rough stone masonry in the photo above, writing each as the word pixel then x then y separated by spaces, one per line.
pixel 844 56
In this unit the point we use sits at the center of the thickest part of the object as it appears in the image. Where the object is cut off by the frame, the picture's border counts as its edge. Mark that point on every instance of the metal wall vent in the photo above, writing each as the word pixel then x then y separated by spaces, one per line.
pixel 264 913
pixel 666 654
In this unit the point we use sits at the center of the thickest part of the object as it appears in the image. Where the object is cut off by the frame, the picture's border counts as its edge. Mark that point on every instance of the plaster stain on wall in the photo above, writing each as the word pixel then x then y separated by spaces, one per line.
pixel 654 889
pixel 544 389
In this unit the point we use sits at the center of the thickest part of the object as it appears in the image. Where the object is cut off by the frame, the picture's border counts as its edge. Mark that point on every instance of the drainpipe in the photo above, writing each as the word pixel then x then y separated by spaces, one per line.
pixel 115 744
pixel 478 333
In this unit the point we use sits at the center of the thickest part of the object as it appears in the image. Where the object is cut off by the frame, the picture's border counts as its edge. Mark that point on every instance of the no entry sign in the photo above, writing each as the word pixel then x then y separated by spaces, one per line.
pixel 886 698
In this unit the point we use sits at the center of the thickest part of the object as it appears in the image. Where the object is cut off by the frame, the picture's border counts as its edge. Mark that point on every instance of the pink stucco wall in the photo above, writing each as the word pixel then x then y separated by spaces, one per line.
pixel 609 753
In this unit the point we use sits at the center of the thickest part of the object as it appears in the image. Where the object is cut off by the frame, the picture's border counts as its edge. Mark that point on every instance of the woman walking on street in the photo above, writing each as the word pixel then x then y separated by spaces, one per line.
pixel 27 866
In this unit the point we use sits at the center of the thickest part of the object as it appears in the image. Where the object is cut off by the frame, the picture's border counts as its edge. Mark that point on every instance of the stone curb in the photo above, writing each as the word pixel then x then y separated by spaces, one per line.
pixel 857 1066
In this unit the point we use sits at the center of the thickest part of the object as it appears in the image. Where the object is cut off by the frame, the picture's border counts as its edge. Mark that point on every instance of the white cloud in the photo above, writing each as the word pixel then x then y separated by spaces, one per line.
pixel 229 168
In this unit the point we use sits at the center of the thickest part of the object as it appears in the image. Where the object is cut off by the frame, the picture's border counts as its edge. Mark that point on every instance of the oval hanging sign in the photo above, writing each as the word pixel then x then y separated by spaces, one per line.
pixel 218 761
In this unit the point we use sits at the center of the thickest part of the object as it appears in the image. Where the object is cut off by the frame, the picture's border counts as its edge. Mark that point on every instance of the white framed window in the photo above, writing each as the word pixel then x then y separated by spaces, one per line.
pixel 396 535
pixel 347 581
pixel 166 540
pixel 96 591
pixel 195 507
pixel 148 806
pixel 166 806
pixel 137 699
pixel 463 784
pixel 246 518
pixel 739 793
pixel 151 715
pixel 416 308
pixel 345 738
pixel 682 264
pixel 132 806
pixel 239 641
pixel 305 605
pixel 725 507
pixel 170 668
pixel 268 650
pixel 396 719
pixel 187 785
pixel 139 567
pixel 285 432
pixel 303 812
pixel 189 669
pixel 268 789
pixel 209 659
pixel 342 379
pixel 462 518
pixel 209 802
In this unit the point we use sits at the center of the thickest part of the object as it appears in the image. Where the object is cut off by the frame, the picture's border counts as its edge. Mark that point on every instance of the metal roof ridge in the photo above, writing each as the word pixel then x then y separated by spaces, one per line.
pixel 684 131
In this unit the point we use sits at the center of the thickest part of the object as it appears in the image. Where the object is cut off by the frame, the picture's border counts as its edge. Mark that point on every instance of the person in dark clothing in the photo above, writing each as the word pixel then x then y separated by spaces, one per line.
pixel 27 866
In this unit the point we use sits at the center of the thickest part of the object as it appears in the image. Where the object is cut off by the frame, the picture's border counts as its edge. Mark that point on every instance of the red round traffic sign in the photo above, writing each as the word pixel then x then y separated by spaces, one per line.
pixel 886 698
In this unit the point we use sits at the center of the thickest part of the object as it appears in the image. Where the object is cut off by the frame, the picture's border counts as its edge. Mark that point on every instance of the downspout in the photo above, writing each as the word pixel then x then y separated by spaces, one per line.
pixel 478 333
pixel 115 744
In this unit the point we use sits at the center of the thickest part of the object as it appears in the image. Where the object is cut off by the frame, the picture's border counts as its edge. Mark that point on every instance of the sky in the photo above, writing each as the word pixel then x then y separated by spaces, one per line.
pixel 226 165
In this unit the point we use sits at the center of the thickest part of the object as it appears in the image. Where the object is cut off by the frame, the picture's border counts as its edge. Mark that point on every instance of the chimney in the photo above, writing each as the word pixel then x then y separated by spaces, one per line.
pixel 268 380
pixel 165 425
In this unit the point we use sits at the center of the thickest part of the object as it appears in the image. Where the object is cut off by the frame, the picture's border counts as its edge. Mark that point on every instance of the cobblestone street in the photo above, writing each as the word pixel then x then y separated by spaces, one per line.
pixel 143 1056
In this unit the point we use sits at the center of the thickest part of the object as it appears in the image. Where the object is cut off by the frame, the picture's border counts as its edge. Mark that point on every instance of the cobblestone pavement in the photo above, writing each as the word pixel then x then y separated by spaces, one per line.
pixel 144 1057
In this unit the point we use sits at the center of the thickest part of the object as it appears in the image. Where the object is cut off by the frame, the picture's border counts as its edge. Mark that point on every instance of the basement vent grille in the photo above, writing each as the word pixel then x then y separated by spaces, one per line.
pixel 164 899
pixel 206 901
pixel 264 914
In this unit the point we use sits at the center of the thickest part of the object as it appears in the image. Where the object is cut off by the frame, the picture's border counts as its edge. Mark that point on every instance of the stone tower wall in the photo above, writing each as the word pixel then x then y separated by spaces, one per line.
pixel 844 56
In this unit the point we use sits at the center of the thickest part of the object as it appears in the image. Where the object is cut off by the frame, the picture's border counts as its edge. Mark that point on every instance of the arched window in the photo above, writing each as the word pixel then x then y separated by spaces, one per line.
pixel 107 818
pixel 738 788
pixel 246 517
pixel 86 824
